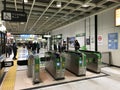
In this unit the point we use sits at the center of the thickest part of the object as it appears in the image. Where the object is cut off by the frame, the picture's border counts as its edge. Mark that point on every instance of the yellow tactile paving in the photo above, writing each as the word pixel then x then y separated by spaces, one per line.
pixel 9 80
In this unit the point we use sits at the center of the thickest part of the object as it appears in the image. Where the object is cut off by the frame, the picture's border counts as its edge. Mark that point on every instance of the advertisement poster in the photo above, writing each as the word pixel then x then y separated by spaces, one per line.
pixel 71 43
pixel 81 39
pixel 113 41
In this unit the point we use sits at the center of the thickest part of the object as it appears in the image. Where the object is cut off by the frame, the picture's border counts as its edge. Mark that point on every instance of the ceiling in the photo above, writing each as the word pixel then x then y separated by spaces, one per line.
pixel 44 16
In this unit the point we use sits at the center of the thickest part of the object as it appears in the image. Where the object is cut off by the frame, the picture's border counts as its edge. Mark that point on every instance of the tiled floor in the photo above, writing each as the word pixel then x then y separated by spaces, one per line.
pixel 22 81
pixel 111 82
pixel 102 83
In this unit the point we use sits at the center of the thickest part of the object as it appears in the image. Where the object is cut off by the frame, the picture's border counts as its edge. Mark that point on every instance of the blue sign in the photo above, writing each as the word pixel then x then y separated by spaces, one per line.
pixel 113 41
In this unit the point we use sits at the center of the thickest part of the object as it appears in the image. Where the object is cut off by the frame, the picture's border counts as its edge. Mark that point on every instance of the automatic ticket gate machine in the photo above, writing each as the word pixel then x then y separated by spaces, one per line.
pixel 93 60
pixel 33 64
pixel 75 62
pixel 55 64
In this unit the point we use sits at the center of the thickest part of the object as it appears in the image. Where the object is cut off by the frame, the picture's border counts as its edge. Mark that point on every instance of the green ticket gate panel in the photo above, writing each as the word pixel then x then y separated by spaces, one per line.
pixel 93 60
pixel 55 65
pixel 36 70
pixel 75 62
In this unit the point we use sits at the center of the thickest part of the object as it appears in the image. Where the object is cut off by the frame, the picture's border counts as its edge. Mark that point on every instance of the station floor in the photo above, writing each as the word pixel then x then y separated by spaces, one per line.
pixel 15 78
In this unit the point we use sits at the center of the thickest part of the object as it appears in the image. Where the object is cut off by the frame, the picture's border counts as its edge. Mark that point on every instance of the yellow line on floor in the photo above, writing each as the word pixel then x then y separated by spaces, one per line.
pixel 10 77
pixel 9 80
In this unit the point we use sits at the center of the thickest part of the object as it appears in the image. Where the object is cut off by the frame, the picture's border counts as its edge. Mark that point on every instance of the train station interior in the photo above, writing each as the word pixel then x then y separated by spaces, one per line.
pixel 59 44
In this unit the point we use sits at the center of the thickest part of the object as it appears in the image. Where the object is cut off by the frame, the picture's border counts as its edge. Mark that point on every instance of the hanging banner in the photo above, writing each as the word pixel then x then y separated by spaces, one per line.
pixel 113 41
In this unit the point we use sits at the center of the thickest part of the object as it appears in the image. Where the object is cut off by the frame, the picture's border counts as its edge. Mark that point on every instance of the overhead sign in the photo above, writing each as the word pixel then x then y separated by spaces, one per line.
pixel 15 16
pixel 117 17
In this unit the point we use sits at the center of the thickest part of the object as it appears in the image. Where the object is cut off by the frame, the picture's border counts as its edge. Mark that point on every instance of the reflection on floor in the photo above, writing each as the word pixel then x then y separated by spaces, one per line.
pixel 91 81
pixel 23 82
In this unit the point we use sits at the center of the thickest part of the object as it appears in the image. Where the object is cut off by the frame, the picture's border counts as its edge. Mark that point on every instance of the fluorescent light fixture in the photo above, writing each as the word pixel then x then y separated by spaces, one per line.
pixel 58 36
pixel 46 17
pixel 22 23
pixel 25 1
pixel 85 5
pixel 47 36
pixel 58 4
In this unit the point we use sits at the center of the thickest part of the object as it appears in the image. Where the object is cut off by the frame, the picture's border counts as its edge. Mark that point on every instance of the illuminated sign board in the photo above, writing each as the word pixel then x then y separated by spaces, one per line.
pixel 117 17
pixel 15 16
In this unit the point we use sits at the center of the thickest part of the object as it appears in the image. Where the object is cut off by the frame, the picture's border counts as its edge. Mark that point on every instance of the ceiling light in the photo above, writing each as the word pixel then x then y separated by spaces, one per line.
pixel 47 36
pixel 85 5
pixel 46 17
pixel 2 28
pixel 21 22
pixel 25 1
pixel 58 4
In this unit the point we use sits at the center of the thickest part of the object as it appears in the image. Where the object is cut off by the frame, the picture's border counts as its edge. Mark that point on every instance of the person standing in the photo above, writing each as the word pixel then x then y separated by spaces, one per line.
pixel 14 51
pixel 8 50
pixel 38 47
pixel 55 47
pixel 77 45
pixel 34 48
pixel 64 46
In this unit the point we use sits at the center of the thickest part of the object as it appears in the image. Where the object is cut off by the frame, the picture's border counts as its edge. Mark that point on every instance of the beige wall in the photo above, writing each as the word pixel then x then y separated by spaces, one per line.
pixel 105 26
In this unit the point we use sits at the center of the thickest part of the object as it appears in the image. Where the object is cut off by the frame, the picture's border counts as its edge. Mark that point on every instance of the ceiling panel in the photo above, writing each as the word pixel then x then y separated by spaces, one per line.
pixel 44 15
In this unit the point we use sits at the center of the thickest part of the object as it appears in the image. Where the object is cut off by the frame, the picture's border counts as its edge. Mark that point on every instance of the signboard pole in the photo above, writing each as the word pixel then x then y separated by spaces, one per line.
pixel 23 6
pixel 4 4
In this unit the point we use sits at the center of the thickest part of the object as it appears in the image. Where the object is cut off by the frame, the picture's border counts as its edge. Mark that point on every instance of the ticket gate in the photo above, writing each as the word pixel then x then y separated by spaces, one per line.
pixel 33 64
pixel 75 62
pixel 93 60
pixel 55 64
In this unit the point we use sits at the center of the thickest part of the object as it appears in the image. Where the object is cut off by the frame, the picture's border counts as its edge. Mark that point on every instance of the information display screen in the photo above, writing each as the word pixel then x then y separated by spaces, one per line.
pixel 117 17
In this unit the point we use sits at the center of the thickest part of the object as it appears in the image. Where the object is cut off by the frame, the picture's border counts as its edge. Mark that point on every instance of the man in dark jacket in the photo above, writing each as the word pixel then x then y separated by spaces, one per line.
pixel 77 45
pixel 14 51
